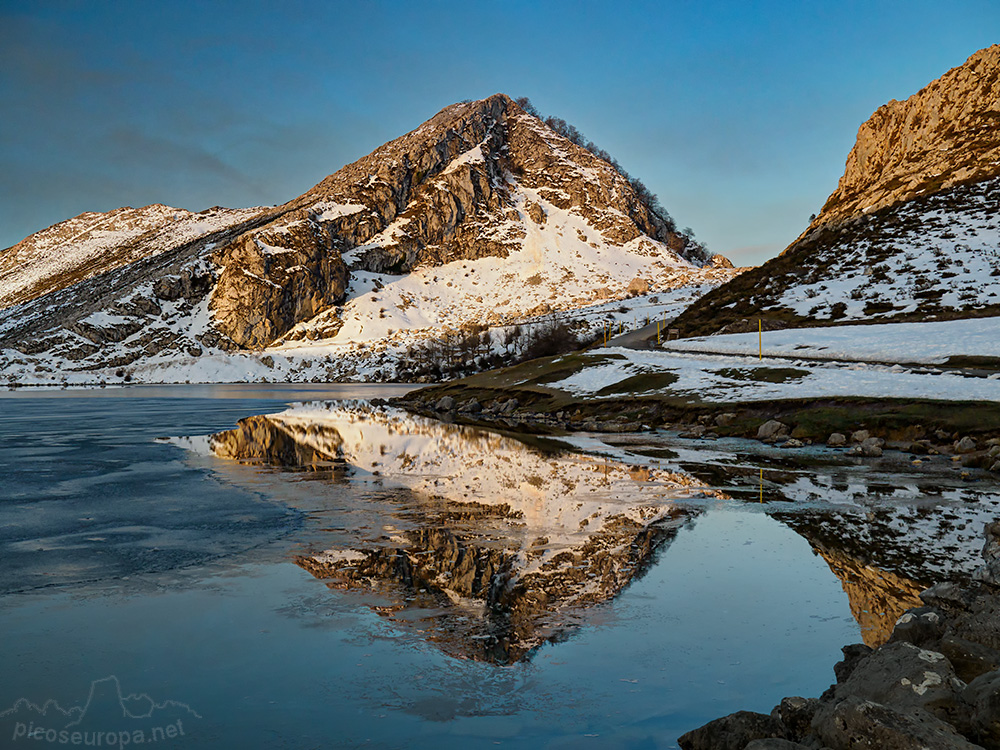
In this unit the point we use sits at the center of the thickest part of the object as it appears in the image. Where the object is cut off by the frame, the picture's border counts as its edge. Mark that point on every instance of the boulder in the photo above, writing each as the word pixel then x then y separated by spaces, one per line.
pixel 854 654
pixel 733 732
pixel 445 403
pixel 796 714
pixel 965 445
pixel 472 406
pixel 726 419
pixel 792 443
pixel 836 440
pixel 509 406
pixel 638 286
pixel 970 660
pixel 991 547
pixel 980 622
pixel 872 446
pixel 773 743
pixel 861 724
pixel 904 677
pixel 983 697
pixel 920 627
pixel 859 436
pixel 772 430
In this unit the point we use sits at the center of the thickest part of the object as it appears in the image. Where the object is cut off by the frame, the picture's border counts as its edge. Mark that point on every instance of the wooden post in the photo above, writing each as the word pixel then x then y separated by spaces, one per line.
pixel 760 343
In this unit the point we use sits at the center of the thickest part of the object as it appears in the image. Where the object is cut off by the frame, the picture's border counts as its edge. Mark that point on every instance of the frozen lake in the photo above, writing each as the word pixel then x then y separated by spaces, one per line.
pixel 341 576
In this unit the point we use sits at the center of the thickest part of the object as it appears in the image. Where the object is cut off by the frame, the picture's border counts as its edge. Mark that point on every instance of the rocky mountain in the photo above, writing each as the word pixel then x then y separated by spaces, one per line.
pixel 487 545
pixel 481 216
pixel 912 231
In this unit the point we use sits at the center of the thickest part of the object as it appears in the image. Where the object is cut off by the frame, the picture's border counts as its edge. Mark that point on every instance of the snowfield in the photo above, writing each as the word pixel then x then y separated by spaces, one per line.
pixel 721 378
pixel 933 342
pixel 940 254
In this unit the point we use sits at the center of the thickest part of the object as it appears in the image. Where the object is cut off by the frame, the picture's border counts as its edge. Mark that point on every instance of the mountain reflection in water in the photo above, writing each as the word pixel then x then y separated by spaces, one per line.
pixel 498 545
pixel 488 545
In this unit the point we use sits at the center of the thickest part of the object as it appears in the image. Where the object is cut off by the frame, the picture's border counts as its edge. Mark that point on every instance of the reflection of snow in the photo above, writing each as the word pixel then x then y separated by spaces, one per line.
pixel 504 540
pixel 565 498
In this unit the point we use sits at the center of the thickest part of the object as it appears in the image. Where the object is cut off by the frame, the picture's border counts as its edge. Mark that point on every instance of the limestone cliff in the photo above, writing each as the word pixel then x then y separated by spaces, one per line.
pixel 945 134
pixel 911 233
pixel 445 192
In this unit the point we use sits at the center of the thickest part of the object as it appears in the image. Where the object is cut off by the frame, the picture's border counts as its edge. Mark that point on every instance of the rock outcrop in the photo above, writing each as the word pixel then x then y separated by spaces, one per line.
pixel 911 231
pixel 945 134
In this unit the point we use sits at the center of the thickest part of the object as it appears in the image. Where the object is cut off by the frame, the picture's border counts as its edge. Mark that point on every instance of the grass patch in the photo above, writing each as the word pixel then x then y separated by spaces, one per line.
pixel 973 362
pixel 641 383
pixel 763 374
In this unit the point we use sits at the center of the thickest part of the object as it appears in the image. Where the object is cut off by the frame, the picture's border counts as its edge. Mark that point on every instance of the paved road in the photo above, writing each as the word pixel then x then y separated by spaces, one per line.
pixel 640 338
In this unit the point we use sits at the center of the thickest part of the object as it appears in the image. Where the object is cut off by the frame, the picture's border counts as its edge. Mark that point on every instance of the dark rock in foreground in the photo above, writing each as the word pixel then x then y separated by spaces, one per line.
pixel 934 685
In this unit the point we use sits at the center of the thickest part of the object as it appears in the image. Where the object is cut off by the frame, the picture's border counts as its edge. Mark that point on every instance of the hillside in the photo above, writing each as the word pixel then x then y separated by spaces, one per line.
pixel 481 217
pixel 910 233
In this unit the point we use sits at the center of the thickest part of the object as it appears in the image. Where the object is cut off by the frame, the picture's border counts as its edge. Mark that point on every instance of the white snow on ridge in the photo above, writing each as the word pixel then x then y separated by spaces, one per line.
pixel 472 156
pixel 564 264
pixel 330 210
pixel 92 243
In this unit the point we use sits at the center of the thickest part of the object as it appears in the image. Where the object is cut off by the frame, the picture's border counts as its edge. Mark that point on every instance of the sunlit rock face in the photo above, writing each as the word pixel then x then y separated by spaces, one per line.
pixel 497 546
pixel 264 441
pixel 910 231
pixel 483 215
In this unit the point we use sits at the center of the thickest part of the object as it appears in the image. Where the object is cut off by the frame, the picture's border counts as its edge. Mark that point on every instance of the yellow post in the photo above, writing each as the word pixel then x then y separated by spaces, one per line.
pixel 760 347
pixel 657 332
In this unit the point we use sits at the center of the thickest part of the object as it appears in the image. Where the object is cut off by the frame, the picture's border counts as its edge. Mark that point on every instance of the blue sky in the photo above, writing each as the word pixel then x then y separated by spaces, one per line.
pixel 739 115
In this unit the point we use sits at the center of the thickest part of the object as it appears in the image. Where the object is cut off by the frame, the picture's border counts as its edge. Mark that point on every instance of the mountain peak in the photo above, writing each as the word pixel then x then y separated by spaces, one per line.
pixel 484 216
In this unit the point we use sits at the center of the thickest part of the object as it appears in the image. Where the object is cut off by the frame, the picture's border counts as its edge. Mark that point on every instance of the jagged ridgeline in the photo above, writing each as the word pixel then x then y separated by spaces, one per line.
pixel 912 231
pixel 693 251
pixel 484 215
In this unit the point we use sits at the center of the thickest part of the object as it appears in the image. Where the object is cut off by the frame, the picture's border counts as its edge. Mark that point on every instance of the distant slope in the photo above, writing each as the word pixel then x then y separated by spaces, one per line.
pixel 94 243
pixel 912 231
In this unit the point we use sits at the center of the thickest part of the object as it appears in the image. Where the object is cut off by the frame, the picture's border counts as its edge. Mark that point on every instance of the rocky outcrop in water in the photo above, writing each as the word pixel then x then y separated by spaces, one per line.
pixel 935 684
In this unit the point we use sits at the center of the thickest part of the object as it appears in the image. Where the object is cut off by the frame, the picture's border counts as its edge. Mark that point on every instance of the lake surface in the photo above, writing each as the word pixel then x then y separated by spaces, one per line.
pixel 339 575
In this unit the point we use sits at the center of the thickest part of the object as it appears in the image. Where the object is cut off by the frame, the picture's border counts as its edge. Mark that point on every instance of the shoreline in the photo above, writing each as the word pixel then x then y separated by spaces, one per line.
pixel 934 684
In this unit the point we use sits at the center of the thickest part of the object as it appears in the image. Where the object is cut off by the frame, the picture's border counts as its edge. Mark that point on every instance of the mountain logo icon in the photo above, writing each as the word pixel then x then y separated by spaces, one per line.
pixel 108 716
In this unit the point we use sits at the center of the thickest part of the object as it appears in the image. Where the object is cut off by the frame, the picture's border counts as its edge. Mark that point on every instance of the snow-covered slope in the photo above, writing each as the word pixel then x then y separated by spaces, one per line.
pixel 93 243
pixel 483 218
pixel 912 231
